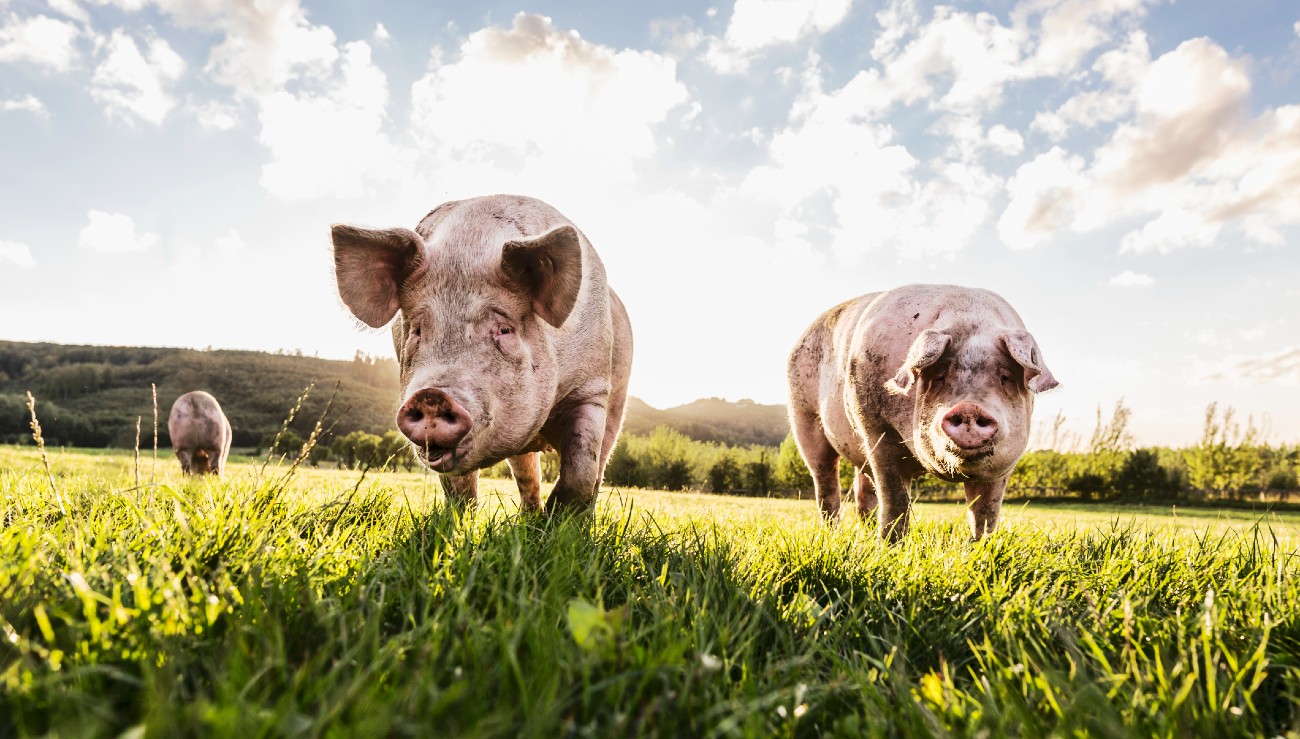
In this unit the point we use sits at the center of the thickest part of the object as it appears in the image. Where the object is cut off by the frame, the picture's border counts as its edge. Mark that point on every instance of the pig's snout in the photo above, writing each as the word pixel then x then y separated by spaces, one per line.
pixel 433 419
pixel 969 426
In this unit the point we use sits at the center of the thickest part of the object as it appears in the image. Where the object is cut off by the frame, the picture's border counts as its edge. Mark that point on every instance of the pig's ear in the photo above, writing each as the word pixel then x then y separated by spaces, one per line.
pixel 925 351
pixel 1022 347
pixel 548 269
pixel 370 267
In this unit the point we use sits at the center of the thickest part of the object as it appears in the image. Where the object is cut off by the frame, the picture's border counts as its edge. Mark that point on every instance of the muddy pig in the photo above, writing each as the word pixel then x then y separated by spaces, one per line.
pixel 508 338
pixel 921 378
pixel 200 433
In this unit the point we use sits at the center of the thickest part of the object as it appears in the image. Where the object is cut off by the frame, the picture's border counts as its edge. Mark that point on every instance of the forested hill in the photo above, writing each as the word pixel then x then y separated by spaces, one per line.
pixel 713 419
pixel 92 395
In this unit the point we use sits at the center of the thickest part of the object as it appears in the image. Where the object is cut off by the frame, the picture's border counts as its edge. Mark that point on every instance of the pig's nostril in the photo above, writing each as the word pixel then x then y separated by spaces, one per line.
pixel 984 422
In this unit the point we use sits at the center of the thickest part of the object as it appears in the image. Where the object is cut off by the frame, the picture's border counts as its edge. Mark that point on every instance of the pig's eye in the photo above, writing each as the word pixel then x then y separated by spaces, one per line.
pixel 1006 379
pixel 415 331
pixel 505 338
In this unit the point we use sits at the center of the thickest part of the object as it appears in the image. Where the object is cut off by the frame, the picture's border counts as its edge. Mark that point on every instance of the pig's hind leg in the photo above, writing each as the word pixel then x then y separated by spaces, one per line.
pixel 527 469
pixel 864 493
pixel 822 460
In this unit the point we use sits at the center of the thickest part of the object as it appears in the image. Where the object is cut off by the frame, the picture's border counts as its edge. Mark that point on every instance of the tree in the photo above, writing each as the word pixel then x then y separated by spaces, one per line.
pixel 791 471
pixel 290 443
pixel 1141 476
pixel 676 475
pixel 1227 458
pixel 319 453
pixel 623 467
pixel 357 449
pixel 758 476
pixel 1107 449
pixel 724 476
pixel 368 447
pixel 393 450
pixel 668 459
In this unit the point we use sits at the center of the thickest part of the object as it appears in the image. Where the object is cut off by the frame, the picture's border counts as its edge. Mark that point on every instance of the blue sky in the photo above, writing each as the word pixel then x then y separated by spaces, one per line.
pixel 1125 172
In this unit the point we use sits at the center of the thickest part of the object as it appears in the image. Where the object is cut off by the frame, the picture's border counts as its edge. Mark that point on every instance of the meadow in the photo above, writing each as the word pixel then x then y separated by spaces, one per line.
pixel 290 601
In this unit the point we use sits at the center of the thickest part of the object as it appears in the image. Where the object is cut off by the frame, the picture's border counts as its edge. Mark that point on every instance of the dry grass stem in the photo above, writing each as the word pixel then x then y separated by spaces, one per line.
pixel 137 451
pixel 40 444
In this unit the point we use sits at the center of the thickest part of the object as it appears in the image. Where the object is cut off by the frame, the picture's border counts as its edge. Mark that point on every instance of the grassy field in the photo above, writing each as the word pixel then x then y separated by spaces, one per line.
pixel 310 602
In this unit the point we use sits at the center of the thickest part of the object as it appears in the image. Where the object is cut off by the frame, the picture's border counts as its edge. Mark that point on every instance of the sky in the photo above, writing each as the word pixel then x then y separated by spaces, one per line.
pixel 1126 173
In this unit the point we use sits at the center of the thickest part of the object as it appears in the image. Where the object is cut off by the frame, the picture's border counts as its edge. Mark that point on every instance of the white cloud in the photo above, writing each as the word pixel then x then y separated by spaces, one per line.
pixel 1282 367
pixel 1176 227
pixel 879 194
pixel 40 40
pixel 1129 278
pixel 27 103
pixel 70 9
pixel 132 85
pixel 1120 70
pixel 535 98
pixel 113 233
pixel 330 143
pixel 678 37
pixel 758 24
pixel 381 34
pixel 230 243
pixel 17 254
pixel 961 62
pixel 1070 29
pixel 1005 140
pixel 215 115
pixel 1187 103
pixel 1042 193
pixel 265 44
pixel 1190 161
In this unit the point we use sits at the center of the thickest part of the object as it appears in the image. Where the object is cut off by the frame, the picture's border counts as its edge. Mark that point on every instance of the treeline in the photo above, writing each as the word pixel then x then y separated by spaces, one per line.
pixel 1231 461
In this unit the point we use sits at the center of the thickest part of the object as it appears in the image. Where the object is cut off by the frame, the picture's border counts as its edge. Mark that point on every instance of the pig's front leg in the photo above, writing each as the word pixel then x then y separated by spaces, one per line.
pixel 461 490
pixel 984 502
pixel 527 469
pixel 577 436
pixel 892 493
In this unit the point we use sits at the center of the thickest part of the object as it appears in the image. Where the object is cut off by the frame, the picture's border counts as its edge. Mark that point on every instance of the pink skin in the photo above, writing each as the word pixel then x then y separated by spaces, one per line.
pixel 921 379
pixel 200 433
pixel 508 338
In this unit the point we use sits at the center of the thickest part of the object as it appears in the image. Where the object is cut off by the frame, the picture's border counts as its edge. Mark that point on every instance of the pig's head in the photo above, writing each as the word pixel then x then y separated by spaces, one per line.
pixel 974 392
pixel 476 307
pixel 197 461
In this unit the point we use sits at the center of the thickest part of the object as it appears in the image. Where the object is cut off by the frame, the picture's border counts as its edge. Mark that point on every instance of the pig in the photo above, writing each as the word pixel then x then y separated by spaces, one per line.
pixel 200 433
pixel 921 378
pixel 508 339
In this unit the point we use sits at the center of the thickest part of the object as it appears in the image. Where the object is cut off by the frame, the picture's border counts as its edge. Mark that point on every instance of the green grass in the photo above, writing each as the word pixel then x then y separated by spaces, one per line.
pixel 324 603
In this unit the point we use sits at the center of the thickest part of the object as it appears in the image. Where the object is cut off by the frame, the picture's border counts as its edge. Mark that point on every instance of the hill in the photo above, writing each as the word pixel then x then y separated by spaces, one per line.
pixel 740 423
pixel 92 395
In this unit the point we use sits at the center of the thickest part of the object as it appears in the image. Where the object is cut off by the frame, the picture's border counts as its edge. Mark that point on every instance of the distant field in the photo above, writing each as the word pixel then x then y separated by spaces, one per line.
pixel 328 602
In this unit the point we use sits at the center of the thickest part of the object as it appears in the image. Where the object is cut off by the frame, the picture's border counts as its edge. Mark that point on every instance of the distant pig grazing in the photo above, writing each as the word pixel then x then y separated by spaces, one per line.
pixel 921 378
pixel 508 339
pixel 200 433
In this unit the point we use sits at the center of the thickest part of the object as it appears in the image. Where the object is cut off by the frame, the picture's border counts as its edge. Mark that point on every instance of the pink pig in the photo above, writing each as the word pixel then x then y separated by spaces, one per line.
pixel 508 338
pixel 200 433
pixel 921 378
